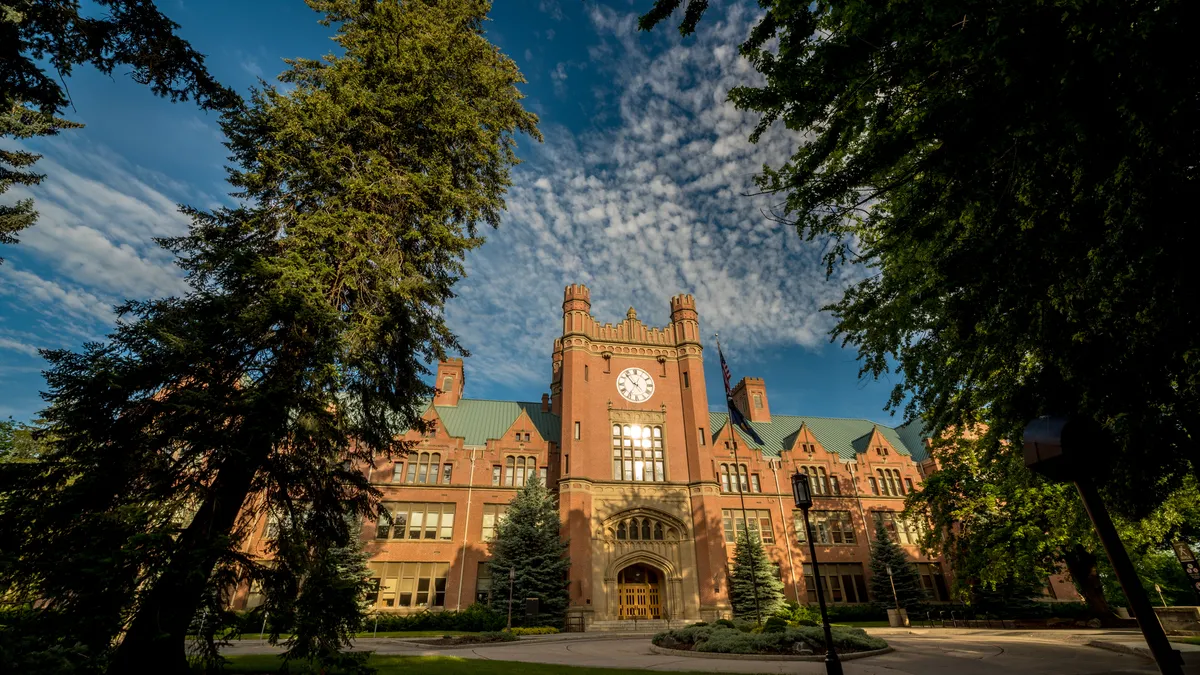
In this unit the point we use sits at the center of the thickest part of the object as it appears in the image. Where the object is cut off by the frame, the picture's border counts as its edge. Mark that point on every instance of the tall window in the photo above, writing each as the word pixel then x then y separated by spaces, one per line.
pixel 755 486
pixel 735 478
pixel 889 482
pixel 410 584
pixel 416 521
pixel 818 479
pixel 517 470
pixel 908 485
pixel 492 513
pixel 483 584
pixel 760 523
pixel 447 383
pixel 397 472
pixel 842 582
pixel 874 486
pixel 643 529
pixel 758 401
pixel 701 434
pixel 424 468
pixel 447 471
pixel 685 380
pixel 638 453
pixel 933 581
pixel 900 530
pixel 577 431
pixel 496 474
pixel 828 527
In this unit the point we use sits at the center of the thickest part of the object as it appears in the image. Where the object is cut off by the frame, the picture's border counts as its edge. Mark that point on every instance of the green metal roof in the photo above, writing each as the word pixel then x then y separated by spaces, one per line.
pixel 843 436
pixel 477 421
pixel 913 434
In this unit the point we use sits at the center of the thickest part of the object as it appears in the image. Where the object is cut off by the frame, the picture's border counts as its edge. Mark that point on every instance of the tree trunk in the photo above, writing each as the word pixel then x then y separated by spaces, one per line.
pixel 155 641
pixel 1081 563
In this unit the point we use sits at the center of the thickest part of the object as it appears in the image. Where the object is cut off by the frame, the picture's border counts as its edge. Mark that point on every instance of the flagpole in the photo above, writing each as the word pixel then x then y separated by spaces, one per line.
pixel 737 470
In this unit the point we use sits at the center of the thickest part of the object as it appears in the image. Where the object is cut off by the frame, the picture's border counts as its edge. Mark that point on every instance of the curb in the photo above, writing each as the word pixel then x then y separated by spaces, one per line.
pixel 765 657
pixel 1122 648
pixel 526 640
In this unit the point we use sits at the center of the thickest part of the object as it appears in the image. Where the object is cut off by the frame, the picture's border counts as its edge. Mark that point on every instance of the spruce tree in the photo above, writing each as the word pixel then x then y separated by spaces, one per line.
pixel 884 553
pixel 529 542
pixel 314 308
pixel 753 575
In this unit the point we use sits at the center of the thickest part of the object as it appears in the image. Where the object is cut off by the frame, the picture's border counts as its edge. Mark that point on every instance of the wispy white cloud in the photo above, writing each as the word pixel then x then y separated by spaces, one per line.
pixel 550 33
pixel 647 207
pixel 552 8
pixel 18 346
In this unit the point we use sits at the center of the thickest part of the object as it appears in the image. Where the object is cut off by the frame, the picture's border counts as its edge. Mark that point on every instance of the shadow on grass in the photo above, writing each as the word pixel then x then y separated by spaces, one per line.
pixel 391 664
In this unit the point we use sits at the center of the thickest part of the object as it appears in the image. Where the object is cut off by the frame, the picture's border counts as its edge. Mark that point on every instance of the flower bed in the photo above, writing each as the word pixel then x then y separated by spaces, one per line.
pixel 790 641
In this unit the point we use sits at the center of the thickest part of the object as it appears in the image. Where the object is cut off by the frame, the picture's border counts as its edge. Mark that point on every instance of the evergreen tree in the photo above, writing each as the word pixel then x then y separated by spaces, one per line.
pixel 529 541
pixel 314 308
pixel 37 33
pixel 908 590
pixel 753 575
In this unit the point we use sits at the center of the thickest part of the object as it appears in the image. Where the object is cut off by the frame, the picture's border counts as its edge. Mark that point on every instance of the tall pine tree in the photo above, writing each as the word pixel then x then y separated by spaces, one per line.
pixel 314 308
pixel 529 542
pixel 752 576
pixel 885 553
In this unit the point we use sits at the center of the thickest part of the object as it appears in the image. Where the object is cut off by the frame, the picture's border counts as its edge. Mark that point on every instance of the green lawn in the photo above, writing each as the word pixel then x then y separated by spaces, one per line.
pixel 863 624
pixel 1187 640
pixel 383 634
pixel 442 665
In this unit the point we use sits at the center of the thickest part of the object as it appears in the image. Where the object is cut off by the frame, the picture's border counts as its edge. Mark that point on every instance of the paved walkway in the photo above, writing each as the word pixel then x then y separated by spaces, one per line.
pixel 918 651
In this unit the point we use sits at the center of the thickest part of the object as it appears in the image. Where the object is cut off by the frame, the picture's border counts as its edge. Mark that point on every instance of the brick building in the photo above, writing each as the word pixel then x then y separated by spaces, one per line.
pixel 652 485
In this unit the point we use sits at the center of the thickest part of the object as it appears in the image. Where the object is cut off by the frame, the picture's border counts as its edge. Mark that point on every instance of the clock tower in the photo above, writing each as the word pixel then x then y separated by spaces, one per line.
pixel 638 496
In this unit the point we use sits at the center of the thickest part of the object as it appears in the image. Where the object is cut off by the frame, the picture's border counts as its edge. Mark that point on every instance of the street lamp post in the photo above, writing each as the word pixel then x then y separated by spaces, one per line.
pixel 512 575
pixel 802 493
pixel 894 596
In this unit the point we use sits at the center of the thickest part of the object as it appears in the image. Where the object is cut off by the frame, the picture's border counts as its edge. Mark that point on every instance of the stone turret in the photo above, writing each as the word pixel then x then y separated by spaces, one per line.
pixel 685 319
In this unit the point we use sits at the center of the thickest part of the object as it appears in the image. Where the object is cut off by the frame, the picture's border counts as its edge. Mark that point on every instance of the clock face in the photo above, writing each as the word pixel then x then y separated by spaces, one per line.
pixel 635 385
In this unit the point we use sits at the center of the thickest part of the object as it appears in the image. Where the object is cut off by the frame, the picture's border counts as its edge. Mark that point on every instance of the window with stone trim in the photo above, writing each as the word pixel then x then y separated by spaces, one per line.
pixel 492 513
pixel 899 529
pixel 408 520
pixel 841 582
pixel 734 521
pixel 828 527
pixel 410 584
pixel 890 483
pixel 496 474
pixel 397 472
pixel 908 484
pixel 642 528
pixel 423 468
pixel 933 581
pixel 637 453
pixel 735 478
pixel 818 479
pixel 874 486
pixel 483 584
pixel 518 469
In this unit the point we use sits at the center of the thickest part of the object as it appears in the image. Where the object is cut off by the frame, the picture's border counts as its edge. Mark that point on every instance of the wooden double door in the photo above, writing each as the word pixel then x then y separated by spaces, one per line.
pixel 639 592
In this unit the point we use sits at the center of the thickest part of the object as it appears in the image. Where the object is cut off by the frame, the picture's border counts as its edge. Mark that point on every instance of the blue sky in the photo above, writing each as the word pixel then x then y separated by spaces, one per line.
pixel 636 192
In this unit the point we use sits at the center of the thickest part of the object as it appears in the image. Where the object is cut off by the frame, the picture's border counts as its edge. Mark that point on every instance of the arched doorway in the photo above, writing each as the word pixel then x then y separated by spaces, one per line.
pixel 640 592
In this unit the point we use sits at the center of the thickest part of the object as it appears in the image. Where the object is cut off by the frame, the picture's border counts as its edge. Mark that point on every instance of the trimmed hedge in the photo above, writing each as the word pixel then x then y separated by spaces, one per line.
pixel 476 618
pixel 723 639
pixel 534 630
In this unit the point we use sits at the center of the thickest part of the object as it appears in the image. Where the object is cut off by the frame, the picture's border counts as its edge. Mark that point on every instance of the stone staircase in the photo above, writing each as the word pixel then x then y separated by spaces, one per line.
pixel 631 626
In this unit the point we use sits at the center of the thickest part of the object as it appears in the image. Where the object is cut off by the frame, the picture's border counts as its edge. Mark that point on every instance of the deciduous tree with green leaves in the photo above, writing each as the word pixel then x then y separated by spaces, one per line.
pixel 529 541
pixel 41 42
pixel 1008 172
pixel 314 309
pixel 1004 529
pixel 753 576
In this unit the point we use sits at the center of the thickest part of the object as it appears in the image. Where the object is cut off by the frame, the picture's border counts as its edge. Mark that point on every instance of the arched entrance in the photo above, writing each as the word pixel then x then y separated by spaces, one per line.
pixel 640 592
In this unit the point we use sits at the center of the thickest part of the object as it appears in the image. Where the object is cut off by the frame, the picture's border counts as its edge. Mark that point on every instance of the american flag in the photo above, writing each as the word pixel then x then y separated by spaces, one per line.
pixel 724 370
pixel 735 416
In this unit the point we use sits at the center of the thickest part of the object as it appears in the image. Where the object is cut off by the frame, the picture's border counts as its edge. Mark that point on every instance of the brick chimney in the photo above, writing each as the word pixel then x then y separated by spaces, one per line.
pixel 751 397
pixel 449 382
pixel 545 403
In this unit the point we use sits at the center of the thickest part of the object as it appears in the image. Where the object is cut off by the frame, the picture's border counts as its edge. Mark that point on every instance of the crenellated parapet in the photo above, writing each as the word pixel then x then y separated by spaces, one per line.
pixel 578 322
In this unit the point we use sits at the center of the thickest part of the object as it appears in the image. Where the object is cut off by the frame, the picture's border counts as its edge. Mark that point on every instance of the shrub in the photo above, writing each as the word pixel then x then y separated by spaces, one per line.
pixel 799 615
pixel 700 623
pixel 775 624
pixel 494 636
pixel 723 640
pixel 724 622
pixel 744 625
pixel 476 618
pixel 534 630
pixel 847 613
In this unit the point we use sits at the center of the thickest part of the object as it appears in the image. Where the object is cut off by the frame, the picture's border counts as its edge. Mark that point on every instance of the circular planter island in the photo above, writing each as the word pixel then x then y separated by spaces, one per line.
pixel 723 640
